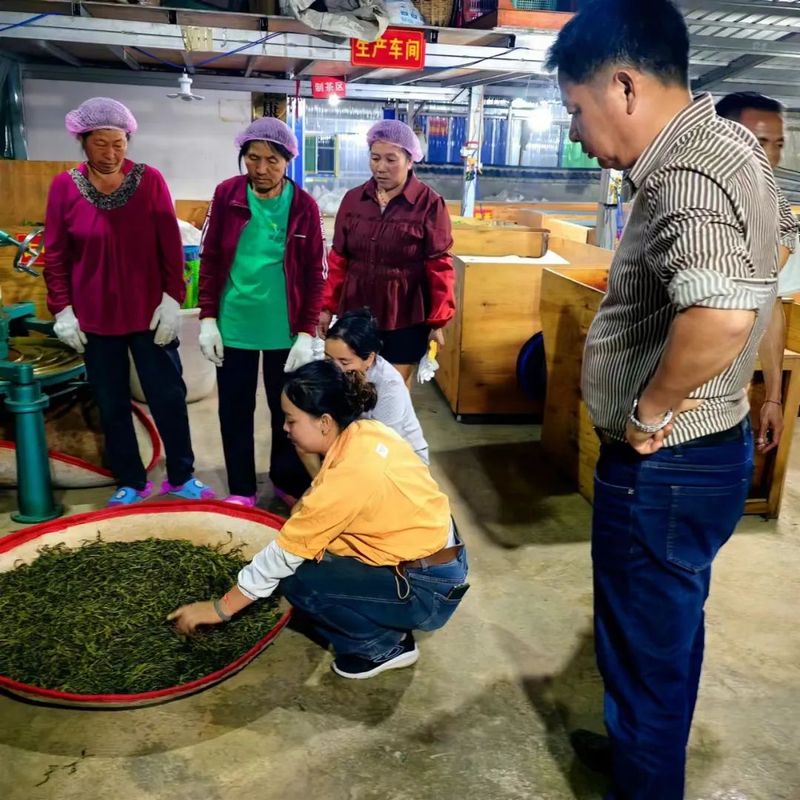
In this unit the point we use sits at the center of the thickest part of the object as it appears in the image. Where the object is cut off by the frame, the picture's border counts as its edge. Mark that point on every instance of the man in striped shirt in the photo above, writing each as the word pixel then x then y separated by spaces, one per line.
pixel 763 117
pixel 667 362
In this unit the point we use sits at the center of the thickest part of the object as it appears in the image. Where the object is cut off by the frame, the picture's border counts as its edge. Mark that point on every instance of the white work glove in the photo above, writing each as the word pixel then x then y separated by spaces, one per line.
pixel 210 341
pixel 302 352
pixel 318 348
pixel 428 364
pixel 166 321
pixel 68 330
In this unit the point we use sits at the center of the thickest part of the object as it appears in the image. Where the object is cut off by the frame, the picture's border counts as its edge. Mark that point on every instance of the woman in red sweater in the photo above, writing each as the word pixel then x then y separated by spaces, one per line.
pixel 262 269
pixel 391 251
pixel 114 275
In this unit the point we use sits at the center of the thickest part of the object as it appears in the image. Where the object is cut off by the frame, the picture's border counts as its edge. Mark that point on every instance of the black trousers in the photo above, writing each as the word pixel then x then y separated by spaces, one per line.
pixel 161 376
pixel 237 383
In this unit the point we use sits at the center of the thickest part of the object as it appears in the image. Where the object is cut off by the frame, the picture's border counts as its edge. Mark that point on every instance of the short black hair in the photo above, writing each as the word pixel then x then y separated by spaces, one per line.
pixel 733 105
pixel 648 35
pixel 278 148
pixel 359 331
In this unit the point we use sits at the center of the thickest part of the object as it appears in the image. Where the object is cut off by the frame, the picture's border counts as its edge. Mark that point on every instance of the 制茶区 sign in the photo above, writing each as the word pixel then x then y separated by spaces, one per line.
pixel 327 87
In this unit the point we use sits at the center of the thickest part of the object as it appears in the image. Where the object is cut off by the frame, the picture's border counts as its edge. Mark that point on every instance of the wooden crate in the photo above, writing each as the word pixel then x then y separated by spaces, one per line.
pixel 558 226
pixel 497 311
pixel 570 299
pixel 23 190
pixel 193 211
pixel 506 16
pixel 499 240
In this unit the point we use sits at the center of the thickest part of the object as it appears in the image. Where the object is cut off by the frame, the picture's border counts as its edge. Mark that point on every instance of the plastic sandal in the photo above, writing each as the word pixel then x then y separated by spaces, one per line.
pixel 127 495
pixel 285 497
pixel 193 489
pixel 241 500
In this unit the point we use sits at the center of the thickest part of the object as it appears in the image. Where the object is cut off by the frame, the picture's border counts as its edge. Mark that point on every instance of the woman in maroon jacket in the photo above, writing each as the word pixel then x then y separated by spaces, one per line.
pixel 262 272
pixel 114 275
pixel 391 251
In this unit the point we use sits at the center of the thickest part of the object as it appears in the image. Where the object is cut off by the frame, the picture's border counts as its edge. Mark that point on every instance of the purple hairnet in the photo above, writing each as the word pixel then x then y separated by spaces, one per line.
pixel 398 133
pixel 100 112
pixel 268 129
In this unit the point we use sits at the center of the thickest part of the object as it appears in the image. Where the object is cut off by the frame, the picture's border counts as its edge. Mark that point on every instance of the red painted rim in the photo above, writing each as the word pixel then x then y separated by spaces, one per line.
pixel 12 540
pixel 75 461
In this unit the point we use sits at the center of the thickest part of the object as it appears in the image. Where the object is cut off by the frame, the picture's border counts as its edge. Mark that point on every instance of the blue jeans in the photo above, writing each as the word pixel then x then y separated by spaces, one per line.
pixel 366 611
pixel 658 523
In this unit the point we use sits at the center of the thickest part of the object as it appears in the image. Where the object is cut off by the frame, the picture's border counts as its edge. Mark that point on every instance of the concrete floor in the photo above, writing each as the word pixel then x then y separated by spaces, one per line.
pixel 485 713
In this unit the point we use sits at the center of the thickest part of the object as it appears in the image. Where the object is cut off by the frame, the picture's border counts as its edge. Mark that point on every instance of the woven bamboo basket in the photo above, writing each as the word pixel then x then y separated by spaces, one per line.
pixel 436 13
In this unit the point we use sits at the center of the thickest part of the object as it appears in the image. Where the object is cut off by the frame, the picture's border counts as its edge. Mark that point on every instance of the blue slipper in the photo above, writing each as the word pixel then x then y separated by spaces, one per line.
pixel 193 489
pixel 127 495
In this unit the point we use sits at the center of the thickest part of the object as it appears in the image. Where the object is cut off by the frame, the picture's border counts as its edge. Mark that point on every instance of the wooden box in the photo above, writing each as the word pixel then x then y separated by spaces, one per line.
pixel 23 190
pixel 558 226
pixel 497 311
pixel 570 299
pixel 193 211
pixel 499 240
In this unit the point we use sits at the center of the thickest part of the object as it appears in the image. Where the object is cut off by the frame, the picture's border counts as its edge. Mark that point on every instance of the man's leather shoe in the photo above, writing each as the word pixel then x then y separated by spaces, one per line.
pixel 593 750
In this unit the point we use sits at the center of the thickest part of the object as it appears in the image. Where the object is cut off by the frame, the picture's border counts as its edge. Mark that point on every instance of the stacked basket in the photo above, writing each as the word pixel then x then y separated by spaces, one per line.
pixel 436 13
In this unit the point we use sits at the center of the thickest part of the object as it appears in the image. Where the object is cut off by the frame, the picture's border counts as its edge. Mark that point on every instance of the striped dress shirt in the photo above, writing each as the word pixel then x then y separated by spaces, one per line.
pixel 703 231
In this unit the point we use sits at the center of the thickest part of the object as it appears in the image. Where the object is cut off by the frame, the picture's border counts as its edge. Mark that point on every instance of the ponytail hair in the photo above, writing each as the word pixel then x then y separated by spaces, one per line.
pixel 322 388
pixel 359 331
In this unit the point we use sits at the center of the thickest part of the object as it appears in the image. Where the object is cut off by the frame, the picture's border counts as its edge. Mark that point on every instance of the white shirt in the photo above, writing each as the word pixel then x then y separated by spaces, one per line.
pixel 394 408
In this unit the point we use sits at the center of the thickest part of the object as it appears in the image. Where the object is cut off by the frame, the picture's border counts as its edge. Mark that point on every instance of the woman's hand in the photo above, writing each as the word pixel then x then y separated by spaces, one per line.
pixel 187 618
pixel 437 335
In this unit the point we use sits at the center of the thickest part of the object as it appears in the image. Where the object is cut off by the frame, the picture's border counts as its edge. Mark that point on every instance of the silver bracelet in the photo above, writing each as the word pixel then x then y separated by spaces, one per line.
pixel 218 608
pixel 643 427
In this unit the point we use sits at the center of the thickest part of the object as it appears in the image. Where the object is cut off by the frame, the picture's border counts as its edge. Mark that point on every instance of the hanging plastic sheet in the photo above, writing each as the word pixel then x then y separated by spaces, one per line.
pixel 358 19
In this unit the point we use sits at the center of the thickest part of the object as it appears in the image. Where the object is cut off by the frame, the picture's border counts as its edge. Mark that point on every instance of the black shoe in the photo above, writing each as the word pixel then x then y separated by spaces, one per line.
pixel 358 668
pixel 593 750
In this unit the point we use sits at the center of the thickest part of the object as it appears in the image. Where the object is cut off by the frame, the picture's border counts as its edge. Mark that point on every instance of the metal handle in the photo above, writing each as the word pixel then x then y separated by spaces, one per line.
pixel 23 248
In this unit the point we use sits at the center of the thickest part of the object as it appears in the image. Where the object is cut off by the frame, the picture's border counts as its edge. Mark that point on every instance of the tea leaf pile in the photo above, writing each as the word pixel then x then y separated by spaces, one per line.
pixel 92 620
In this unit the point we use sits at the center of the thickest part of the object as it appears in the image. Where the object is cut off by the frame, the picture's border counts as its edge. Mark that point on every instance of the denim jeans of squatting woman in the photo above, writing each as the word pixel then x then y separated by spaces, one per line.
pixel 366 610
pixel 658 523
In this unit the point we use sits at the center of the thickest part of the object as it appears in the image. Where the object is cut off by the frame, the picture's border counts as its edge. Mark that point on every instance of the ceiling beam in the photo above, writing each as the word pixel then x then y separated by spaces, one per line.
pixel 362 74
pixel 736 67
pixel 737 44
pixel 305 68
pixel 289 46
pixel 251 65
pixel 488 77
pixel 60 53
pixel 718 74
pixel 125 57
pixel 776 90
pixel 410 77
pixel 746 7
pixel 233 82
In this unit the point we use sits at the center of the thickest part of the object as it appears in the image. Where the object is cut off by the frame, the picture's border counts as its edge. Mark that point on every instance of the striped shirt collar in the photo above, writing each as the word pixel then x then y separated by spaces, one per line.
pixel 697 113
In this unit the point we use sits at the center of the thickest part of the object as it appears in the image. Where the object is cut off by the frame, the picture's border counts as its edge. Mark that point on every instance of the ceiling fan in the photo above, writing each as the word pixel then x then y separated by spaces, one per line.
pixel 185 89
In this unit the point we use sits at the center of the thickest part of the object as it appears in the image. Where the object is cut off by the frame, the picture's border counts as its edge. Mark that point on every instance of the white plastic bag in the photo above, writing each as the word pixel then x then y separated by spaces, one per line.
pixel 428 364
pixel 403 12
pixel 789 276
